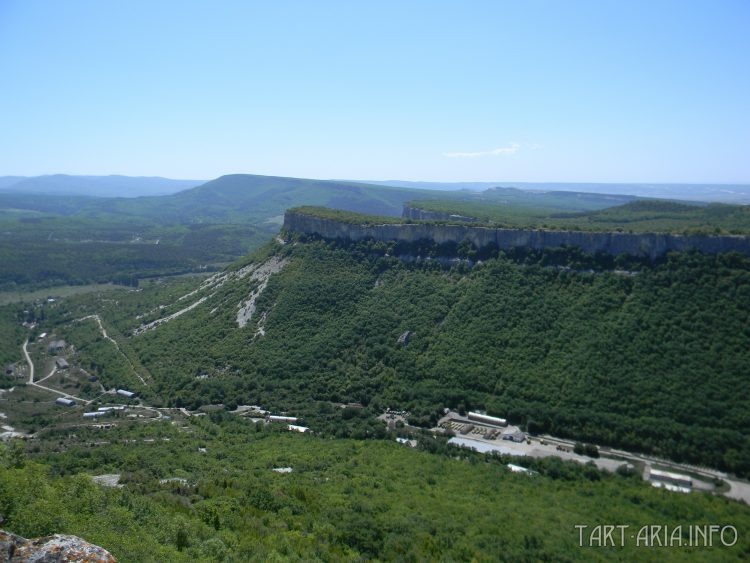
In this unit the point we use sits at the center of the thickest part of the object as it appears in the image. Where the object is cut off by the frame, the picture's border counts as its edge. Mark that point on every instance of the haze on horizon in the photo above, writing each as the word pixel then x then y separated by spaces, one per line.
pixel 635 92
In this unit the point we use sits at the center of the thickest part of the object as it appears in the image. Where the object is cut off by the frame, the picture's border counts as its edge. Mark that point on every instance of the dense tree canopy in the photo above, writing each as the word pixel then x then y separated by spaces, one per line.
pixel 650 360
pixel 210 494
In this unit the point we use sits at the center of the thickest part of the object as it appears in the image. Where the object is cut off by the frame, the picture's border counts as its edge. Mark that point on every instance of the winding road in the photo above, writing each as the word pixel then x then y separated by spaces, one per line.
pixel 35 384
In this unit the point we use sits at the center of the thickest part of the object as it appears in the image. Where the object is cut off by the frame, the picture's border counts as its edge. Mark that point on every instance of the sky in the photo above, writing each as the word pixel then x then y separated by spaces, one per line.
pixel 535 91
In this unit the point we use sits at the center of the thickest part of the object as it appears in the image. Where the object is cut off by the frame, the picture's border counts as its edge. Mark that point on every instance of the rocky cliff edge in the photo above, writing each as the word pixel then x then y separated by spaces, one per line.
pixel 652 245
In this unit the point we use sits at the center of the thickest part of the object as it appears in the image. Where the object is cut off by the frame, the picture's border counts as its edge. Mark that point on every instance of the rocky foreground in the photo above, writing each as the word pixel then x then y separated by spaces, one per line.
pixel 50 549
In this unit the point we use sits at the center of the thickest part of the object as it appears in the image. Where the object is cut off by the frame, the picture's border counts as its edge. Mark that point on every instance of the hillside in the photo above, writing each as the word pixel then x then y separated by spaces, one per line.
pixel 246 198
pixel 6 181
pixel 213 490
pixel 656 216
pixel 665 216
pixel 42 250
pixel 67 239
pixel 644 356
pixel 239 198
pixel 725 193
pixel 94 186
pixel 649 359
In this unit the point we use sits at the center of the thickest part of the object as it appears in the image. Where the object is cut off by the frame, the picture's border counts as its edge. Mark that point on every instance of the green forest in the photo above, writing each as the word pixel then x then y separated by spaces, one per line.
pixel 374 282
pixel 660 216
pixel 649 358
pixel 620 351
pixel 209 492
pixel 11 335
pixel 49 251
pixel 54 239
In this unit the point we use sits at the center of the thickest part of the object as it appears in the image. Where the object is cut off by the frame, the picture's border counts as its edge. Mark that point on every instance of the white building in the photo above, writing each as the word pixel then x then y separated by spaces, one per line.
pixel 486 419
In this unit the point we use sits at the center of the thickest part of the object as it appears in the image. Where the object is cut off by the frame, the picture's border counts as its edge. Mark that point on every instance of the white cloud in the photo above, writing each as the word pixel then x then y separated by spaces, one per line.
pixel 502 151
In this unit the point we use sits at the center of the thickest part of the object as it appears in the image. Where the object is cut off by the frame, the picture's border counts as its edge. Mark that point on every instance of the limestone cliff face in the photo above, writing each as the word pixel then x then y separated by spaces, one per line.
pixel 652 245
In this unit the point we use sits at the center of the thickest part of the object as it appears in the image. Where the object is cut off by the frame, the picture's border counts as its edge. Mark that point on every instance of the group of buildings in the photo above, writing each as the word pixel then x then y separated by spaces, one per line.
pixel 101 411
pixel 481 425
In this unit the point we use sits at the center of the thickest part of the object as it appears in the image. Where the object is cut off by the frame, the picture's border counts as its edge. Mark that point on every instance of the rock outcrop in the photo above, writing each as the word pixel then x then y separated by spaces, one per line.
pixel 652 245
pixel 50 549
pixel 404 339
pixel 418 214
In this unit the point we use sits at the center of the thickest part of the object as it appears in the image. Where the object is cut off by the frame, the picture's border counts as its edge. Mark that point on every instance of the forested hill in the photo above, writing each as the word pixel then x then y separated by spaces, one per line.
pixel 641 216
pixel 247 198
pixel 94 186
pixel 651 359
pixel 66 239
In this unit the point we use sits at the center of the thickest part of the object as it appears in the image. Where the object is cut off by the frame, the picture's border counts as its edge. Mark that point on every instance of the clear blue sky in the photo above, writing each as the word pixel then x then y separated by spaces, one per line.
pixel 610 91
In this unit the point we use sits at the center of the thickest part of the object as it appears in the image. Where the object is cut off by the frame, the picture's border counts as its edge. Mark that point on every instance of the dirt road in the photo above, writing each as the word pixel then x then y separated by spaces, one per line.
pixel 35 384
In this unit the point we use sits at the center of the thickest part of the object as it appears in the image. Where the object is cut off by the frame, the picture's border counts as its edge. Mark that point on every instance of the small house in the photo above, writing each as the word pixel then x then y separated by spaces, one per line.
pixel 516 436
pixel 64 401
pixel 61 363
pixel 125 393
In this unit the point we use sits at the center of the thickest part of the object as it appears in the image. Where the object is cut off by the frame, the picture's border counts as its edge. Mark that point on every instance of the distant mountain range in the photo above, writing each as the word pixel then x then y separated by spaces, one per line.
pixel 724 193
pixel 262 201
pixel 130 187
pixel 97 186
pixel 259 200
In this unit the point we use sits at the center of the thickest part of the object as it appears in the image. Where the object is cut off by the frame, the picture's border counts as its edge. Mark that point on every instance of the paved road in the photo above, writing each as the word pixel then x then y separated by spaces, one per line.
pixel 738 490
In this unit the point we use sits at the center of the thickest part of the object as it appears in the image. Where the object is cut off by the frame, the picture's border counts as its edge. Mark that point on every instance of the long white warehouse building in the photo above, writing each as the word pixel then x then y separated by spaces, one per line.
pixel 486 419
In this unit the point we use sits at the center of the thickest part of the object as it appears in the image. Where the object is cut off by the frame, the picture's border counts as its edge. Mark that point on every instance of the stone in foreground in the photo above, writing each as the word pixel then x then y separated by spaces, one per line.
pixel 50 549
